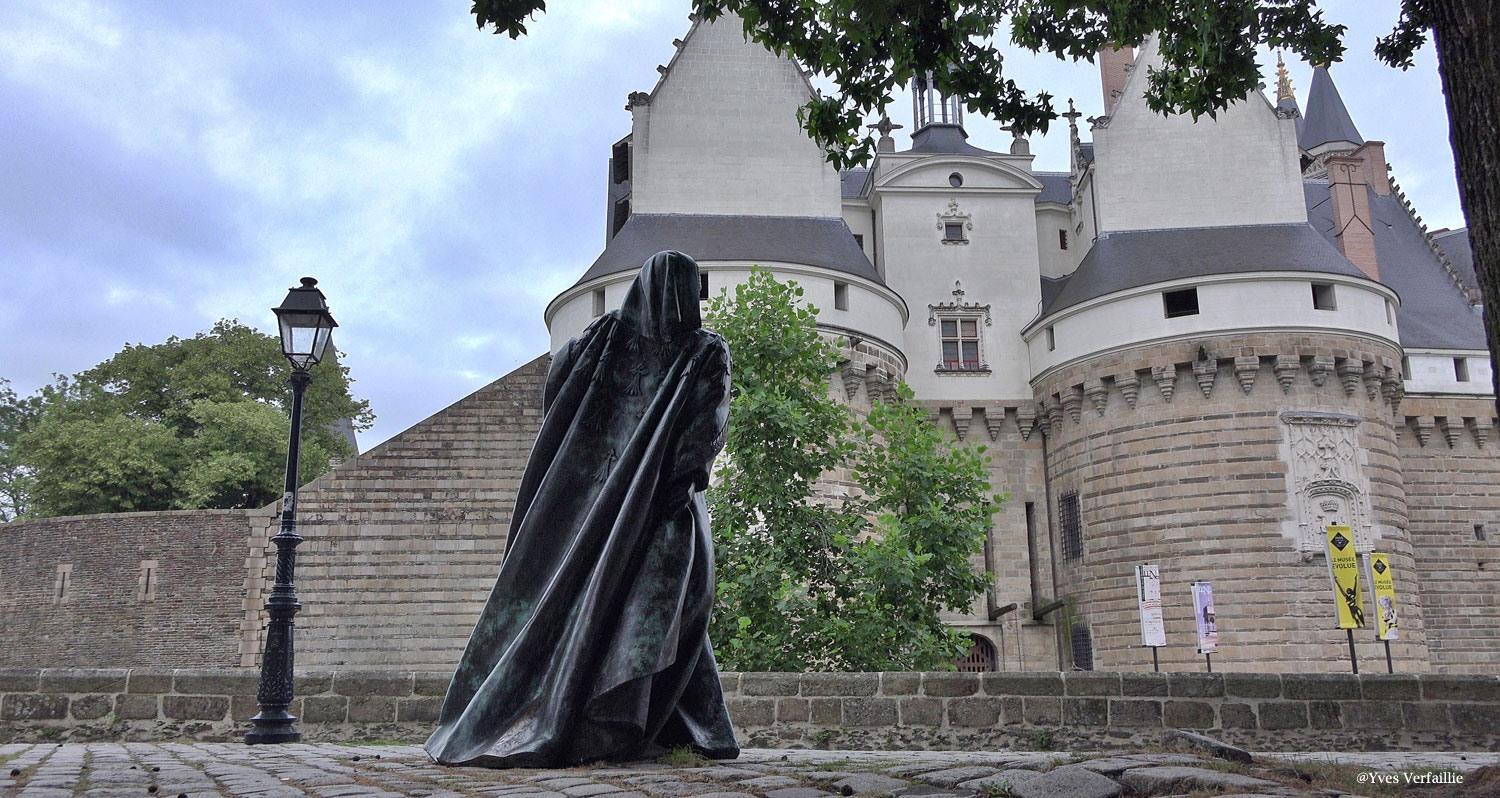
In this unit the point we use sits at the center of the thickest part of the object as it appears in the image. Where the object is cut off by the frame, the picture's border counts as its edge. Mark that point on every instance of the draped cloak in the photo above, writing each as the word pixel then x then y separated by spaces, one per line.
pixel 594 642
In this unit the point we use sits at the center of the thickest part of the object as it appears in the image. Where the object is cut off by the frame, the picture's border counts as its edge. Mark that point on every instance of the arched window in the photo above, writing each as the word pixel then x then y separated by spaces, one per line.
pixel 981 657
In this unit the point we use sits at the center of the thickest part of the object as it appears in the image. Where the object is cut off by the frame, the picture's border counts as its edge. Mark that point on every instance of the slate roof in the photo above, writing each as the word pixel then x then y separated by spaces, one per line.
pixel 793 239
pixel 1055 187
pixel 1434 313
pixel 1455 244
pixel 943 140
pixel 852 183
pixel 1125 260
pixel 1326 119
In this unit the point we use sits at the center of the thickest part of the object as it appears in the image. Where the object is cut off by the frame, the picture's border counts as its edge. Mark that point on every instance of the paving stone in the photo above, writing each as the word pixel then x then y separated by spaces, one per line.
pixel 950 777
pixel 1168 779
pixel 770 782
pixel 1004 780
pixel 797 792
pixel 1069 781
pixel 586 790
pixel 869 784
pixel 1113 766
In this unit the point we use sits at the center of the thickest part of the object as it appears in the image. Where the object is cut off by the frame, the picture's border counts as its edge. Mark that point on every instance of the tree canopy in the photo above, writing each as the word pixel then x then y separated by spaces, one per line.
pixel 200 422
pixel 809 579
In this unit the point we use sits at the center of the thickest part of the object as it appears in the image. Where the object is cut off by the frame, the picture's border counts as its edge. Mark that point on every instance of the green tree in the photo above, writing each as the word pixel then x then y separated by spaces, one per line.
pixel 870 47
pixel 17 414
pixel 808 582
pixel 187 423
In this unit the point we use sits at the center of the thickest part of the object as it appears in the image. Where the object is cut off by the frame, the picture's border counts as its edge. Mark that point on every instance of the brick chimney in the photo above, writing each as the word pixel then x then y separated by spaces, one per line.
pixel 1376 171
pixel 1114 67
pixel 1348 177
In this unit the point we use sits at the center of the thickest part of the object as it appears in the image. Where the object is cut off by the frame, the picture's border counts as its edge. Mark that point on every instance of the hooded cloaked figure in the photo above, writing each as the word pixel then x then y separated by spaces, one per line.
pixel 594 643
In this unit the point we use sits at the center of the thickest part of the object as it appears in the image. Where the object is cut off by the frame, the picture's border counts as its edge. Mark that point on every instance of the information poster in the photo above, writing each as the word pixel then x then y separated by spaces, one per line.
pixel 1148 596
pixel 1204 614
pixel 1383 580
pixel 1343 570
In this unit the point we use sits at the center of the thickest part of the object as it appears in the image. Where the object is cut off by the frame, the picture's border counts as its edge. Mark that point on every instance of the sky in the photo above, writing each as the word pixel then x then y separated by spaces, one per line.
pixel 166 165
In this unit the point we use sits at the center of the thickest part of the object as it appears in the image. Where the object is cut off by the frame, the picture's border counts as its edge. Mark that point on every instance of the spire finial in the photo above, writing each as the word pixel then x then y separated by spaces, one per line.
pixel 1072 117
pixel 1283 81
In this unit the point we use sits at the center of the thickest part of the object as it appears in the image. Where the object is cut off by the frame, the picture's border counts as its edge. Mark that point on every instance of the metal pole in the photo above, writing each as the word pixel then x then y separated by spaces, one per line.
pixel 1353 660
pixel 1209 658
pixel 1155 662
pixel 1389 667
pixel 274 724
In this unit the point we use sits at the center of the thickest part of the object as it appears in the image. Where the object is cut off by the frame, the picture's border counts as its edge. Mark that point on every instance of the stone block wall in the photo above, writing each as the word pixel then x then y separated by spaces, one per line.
pixel 1451 471
pixel 155 589
pixel 870 711
pixel 1182 454
pixel 403 543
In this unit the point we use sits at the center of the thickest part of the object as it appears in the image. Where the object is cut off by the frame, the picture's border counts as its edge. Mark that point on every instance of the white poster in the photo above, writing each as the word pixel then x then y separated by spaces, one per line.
pixel 1203 613
pixel 1148 596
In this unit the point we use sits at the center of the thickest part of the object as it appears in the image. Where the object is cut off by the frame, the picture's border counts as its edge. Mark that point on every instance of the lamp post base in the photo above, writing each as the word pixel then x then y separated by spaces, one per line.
pixel 269 728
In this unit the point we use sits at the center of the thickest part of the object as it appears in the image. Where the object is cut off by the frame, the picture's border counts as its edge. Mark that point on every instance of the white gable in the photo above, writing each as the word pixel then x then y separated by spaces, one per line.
pixel 720 134
pixel 1155 171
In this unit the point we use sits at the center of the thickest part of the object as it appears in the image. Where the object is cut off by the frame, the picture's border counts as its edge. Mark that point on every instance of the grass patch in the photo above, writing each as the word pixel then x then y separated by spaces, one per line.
pixel 683 756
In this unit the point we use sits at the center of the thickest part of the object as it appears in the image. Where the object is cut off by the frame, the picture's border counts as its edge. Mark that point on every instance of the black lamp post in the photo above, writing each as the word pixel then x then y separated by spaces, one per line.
pixel 306 326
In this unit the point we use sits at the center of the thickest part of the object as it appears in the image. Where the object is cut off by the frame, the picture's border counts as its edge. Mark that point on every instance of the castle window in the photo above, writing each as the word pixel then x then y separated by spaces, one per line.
pixel 840 296
pixel 859 240
pixel 1390 313
pixel 1183 302
pixel 702 286
pixel 1479 532
pixel 1071 518
pixel 953 232
pixel 956 180
pixel 619 162
pixel 960 340
pixel 61 585
pixel 1323 296
pixel 1083 647
pixel 1051 340
pixel 598 301
pixel 1062 239
pixel 1461 369
pixel 621 215
pixel 146 584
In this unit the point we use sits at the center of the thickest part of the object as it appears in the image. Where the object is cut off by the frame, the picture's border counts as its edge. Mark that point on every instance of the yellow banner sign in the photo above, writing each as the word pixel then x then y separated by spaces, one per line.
pixel 1343 569
pixel 1383 579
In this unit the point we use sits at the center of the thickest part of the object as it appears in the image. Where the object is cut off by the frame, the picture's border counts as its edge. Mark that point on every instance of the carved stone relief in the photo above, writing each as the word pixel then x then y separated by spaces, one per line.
pixel 1326 482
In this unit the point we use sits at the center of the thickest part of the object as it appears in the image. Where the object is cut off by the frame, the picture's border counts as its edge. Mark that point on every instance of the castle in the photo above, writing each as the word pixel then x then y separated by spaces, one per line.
pixel 1196 348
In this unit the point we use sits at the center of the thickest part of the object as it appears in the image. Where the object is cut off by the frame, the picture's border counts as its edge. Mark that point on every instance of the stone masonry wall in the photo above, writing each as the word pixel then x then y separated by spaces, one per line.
pixel 874 711
pixel 142 589
pixel 1452 474
pixel 404 542
pixel 1181 454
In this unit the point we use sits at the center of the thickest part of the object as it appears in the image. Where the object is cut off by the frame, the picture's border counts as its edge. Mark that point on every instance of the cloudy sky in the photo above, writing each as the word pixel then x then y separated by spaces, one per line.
pixel 164 165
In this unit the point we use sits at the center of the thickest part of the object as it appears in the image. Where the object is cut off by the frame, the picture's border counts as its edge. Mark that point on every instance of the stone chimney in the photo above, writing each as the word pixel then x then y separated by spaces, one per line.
pixel 1352 220
pixel 1114 67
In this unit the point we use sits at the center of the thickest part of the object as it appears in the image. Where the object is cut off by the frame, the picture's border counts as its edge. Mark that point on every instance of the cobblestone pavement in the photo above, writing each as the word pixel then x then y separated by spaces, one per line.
pixel 172 770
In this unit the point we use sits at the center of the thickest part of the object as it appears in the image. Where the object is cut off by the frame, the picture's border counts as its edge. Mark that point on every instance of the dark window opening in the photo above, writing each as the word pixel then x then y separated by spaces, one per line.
pixel 953 231
pixel 622 214
pixel 859 239
pixel 981 657
pixel 598 301
pixel 1071 519
pixel 619 162
pixel 1461 369
pixel 960 339
pixel 1062 239
pixel 840 296
pixel 1051 340
pixel 1479 532
pixel 1323 296
pixel 1180 303
pixel 956 180
pixel 702 286
pixel 1083 648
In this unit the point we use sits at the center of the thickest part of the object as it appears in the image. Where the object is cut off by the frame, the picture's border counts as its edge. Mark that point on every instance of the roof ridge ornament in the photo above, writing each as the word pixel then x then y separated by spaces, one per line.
pixel 1283 81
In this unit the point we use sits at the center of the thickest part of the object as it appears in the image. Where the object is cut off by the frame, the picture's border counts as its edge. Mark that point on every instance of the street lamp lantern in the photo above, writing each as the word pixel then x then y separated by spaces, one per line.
pixel 306 326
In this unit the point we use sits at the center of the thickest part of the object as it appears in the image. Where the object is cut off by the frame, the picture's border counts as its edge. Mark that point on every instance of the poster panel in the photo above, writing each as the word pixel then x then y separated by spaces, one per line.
pixel 1343 571
pixel 1206 617
pixel 1148 597
pixel 1383 580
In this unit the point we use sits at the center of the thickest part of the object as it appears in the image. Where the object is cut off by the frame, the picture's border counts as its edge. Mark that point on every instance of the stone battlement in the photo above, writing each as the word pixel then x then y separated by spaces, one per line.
pixel 875 711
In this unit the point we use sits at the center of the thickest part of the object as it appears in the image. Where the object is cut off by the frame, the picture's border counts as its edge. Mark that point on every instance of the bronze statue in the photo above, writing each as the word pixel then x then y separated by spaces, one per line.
pixel 594 642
